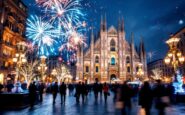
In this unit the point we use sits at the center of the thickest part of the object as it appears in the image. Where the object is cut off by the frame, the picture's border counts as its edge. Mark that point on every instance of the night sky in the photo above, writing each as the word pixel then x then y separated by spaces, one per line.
pixel 154 20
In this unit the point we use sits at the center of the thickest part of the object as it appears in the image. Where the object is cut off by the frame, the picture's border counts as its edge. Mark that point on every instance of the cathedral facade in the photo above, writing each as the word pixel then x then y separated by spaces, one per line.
pixel 110 57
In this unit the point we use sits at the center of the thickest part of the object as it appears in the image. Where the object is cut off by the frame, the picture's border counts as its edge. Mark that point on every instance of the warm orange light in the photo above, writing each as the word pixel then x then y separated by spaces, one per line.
pixel 167 60
pixel 179 54
pixel 14 59
pixel 181 59
pixel 24 60
pixel 170 54
pixel 173 40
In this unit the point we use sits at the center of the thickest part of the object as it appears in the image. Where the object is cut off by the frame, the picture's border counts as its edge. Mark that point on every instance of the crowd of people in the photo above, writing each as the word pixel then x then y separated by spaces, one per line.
pixel 158 94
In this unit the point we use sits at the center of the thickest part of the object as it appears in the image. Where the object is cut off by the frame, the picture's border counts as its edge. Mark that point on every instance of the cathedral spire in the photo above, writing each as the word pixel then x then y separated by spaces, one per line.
pixel 92 36
pixel 132 54
pixel 119 24
pixel 101 20
pixel 122 24
pixel 103 23
pixel 142 47
pixel 143 55
pixel 132 38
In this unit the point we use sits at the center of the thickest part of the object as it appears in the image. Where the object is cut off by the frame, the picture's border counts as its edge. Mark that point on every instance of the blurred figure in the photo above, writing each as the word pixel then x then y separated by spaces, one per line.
pixel 96 89
pixel 84 91
pixel 63 92
pixel 146 97
pixel 78 92
pixel 32 93
pixel 1 88
pixel 54 89
pixel 100 89
pixel 87 90
pixel 115 90
pixel 41 87
pixel 24 85
pixel 160 97
pixel 171 93
pixel 48 87
pixel 71 88
pixel 105 91
pixel 125 96
pixel 10 86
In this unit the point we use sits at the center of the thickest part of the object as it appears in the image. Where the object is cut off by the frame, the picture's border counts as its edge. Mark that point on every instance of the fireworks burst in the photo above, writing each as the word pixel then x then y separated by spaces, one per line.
pixel 42 34
pixel 61 29
pixel 151 55
pixel 61 12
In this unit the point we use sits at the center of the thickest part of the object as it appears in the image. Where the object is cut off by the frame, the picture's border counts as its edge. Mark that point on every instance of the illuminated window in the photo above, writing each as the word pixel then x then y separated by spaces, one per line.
pixel 113 61
pixel 112 45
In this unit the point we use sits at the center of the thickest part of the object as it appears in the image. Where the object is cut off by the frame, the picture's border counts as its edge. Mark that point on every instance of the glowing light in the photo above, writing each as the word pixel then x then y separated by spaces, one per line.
pixel 62 11
pixel 41 33
pixel 178 83
pixel 181 22
pixel 1 78
pixel 167 60
pixel 47 40
pixel 62 25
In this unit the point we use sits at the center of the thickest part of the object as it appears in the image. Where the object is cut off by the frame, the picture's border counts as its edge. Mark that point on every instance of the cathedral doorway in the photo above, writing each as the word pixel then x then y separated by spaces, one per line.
pixel 112 78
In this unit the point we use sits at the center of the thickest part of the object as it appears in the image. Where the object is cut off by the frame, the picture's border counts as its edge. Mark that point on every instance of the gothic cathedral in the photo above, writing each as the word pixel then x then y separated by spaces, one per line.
pixel 110 57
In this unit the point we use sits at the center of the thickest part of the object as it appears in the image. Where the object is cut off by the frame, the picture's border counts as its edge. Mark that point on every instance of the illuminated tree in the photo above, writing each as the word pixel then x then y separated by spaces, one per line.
pixel 29 71
pixel 157 74
pixel 61 72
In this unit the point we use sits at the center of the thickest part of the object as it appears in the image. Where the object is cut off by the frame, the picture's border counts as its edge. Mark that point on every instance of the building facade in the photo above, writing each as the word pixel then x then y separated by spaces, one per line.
pixel 13 14
pixel 159 64
pixel 110 56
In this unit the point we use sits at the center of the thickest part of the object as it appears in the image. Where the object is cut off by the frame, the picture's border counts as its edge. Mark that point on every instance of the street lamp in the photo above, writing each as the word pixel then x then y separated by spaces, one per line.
pixel 42 67
pixel 19 58
pixel 174 56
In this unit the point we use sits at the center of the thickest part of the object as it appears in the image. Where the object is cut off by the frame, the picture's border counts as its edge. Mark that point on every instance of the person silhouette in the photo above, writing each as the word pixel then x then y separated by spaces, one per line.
pixel 63 92
pixel 54 89
pixel 146 97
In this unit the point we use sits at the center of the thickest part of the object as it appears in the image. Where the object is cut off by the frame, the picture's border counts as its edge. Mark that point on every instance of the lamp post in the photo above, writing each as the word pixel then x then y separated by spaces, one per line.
pixel 174 56
pixel 19 58
pixel 140 71
pixel 42 67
